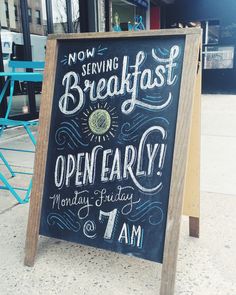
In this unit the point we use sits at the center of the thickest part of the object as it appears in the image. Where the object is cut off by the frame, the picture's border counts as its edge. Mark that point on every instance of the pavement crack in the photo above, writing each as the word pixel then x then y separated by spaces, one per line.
pixel 8 209
pixel 218 193
pixel 218 135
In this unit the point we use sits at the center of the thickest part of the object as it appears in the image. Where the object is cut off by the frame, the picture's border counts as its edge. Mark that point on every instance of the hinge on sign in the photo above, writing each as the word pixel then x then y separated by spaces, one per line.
pixel 199 59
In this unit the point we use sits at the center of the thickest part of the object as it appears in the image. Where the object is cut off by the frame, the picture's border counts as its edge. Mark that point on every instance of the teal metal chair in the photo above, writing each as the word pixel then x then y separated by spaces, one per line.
pixel 11 78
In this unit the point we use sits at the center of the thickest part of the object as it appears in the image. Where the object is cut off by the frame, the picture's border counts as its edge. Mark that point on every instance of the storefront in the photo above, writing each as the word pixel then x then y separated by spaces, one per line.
pixel 135 15
pixel 129 15
pixel 85 16
pixel 217 19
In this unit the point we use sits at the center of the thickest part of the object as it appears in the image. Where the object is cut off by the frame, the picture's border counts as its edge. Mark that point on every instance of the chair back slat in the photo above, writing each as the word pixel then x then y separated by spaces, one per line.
pixel 14 64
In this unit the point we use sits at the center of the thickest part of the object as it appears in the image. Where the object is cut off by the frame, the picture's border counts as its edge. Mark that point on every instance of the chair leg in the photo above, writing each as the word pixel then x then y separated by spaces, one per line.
pixel 7 185
pixel 27 196
pixel 1 97
pixel 7 165
pixel 11 189
pixel 10 98
pixel 30 135
pixel 2 129
pixel 4 90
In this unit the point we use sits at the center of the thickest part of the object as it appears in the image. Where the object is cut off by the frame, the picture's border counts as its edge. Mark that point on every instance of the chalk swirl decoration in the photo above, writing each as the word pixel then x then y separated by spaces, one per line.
pixel 150 211
pixel 65 221
pixel 131 132
pixel 68 135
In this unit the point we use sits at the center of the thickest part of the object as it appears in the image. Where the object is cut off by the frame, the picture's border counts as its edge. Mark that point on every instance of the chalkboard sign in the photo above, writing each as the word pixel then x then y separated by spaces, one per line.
pixel 111 143
pixel 112 146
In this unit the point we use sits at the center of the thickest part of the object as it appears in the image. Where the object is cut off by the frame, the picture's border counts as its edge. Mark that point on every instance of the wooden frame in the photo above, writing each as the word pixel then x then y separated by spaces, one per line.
pixel 179 164
pixel 180 150
pixel 192 183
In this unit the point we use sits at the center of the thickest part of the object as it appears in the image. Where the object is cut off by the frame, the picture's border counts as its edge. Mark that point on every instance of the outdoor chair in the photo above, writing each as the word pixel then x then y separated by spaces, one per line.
pixel 5 122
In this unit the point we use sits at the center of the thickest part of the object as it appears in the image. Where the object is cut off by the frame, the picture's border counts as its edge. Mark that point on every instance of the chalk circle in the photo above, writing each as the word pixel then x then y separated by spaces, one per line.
pixel 99 121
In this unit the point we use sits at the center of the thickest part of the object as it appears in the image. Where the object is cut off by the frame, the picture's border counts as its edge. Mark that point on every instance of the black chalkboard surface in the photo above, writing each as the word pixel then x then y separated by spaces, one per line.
pixel 111 143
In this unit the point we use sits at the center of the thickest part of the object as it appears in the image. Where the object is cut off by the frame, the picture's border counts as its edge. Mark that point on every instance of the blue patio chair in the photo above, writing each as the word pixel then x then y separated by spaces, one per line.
pixel 11 78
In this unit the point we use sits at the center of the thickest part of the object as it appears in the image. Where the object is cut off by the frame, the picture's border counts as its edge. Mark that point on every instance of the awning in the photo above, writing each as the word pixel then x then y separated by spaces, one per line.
pixel 141 3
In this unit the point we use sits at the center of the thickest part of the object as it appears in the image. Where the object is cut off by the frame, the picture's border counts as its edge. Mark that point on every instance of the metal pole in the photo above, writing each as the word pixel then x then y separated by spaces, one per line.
pixel 70 28
pixel 92 17
pixel 50 29
pixel 27 52
pixel 108 10
pixel 88 16
pixel 83 11
pixel 26 29
pixel 3 105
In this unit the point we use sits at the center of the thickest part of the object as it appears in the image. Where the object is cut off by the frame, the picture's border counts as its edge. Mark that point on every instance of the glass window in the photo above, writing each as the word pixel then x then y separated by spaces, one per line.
pixel 16 12
pixel 60 16
pixel 7 10
pixel 30 14
pixel 211 32
pixel 218 57
pixel 228 32
pixel 38 17
pixel 101 16
pixel 128 15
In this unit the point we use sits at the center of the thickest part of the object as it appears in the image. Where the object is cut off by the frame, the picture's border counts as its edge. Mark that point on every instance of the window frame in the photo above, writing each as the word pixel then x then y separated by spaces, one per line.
pixel 30 14
pixel 38 17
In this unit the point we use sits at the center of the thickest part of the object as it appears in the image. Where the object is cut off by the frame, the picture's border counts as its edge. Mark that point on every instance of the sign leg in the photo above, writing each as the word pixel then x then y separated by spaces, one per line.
pixel 30 255
pixel 194 226
pixel 31 243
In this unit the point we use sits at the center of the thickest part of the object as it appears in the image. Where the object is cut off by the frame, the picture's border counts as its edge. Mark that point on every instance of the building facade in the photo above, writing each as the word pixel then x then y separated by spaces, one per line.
pixel 10 16
pixel 218 22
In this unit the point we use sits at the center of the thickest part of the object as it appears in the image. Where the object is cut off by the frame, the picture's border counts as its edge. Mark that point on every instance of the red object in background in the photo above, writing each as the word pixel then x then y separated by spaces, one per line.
pixel 155 18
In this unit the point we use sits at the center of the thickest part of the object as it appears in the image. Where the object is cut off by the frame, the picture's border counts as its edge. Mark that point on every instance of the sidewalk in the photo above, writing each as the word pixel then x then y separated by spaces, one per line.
pixel 206 266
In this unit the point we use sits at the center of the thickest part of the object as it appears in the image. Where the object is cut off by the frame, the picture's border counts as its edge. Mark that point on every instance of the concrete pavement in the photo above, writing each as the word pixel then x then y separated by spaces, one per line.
pixel 206 266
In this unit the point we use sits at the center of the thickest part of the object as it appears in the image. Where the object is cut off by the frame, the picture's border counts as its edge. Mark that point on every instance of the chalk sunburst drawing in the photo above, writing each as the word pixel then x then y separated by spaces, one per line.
pixel 100 122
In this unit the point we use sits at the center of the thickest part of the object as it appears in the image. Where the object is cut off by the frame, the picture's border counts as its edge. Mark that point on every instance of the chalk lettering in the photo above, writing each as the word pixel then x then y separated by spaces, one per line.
pixel 129 82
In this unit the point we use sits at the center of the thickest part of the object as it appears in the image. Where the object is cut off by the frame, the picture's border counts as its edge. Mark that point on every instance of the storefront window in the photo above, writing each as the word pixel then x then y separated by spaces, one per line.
pixel 101 16
pixel 129 15
pixel 228 32
pixel 219 57
pixel 211 32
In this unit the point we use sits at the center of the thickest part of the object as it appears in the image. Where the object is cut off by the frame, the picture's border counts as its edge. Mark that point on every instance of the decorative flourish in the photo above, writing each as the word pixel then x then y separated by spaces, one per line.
pixel 131 131
pixel 67 135
pixel 148 210
pixel 65 60
pixel 89 229
pixel 101 50
pixel 65 221
pixel 172 54
pixel 163 51
pixel 154 98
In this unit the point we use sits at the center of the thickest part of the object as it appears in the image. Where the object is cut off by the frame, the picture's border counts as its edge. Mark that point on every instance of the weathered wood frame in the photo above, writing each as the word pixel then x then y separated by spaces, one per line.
pixel 191 206
pixel 192 41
